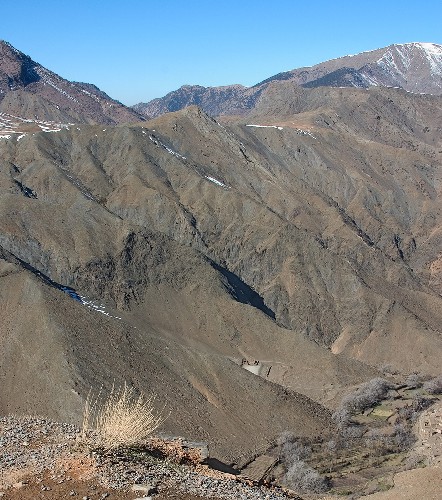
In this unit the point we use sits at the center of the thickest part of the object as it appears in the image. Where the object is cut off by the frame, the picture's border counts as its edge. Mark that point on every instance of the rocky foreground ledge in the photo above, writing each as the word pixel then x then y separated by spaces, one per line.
pixel 42 459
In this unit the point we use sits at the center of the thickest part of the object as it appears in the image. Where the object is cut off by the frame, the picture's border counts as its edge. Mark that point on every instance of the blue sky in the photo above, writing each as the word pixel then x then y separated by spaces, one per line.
pixel 136 50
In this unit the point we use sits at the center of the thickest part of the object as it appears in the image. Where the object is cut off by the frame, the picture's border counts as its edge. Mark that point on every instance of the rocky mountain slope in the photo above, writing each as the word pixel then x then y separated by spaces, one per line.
pixel 121 216
pixel 415 67
pixel 239 230
pixel 249 271
pixel 30 91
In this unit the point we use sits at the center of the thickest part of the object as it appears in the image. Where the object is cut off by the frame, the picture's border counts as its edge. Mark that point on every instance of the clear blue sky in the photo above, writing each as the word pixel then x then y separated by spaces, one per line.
pixel 136 50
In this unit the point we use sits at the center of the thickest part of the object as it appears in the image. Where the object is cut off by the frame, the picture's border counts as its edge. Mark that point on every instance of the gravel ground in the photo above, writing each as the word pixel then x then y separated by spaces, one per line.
pixel 44 459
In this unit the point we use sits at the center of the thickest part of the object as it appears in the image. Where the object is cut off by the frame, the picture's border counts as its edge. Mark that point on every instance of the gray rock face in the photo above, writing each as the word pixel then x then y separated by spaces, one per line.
pixel 214 100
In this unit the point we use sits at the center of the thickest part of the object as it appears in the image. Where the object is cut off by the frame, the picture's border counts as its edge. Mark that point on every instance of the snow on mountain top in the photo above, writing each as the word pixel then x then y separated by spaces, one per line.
pixel 398 57
pixel 407 52
pixel 430 48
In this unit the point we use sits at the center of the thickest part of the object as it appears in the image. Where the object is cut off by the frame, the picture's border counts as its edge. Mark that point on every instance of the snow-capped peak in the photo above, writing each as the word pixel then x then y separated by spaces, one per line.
pixel 399 58
pixel 429 48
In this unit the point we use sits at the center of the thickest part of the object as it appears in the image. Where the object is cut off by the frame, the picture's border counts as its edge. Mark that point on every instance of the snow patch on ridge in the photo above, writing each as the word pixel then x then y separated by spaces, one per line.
pixel 265 126
pixel 96 307
pixel 90 304
pixel 300 131
pixel 90 95
pixel 433 53
pixel 216 181
pixel 158 143
pixel 430 48
pixel 45 76
pixel 11 125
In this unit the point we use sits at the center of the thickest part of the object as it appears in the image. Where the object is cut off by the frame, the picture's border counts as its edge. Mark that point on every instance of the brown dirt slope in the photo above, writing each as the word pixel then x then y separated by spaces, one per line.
pixel 55 349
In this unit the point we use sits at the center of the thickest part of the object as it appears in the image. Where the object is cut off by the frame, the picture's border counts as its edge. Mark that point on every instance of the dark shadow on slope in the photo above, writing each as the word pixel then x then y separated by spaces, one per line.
pixel 216 464
pixel 28 73
pixel 10 257
pixel 66 289
pixel 242 292
pixel 26 191
pixel 342 77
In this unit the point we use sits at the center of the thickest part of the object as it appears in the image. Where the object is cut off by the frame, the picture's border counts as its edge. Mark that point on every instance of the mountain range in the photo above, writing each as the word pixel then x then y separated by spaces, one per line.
pixel 414 67
pixel 250 268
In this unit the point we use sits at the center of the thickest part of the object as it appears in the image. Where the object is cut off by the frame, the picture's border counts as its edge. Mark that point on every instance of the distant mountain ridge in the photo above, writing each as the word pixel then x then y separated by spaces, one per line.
pixel 415 67
pixel 31 91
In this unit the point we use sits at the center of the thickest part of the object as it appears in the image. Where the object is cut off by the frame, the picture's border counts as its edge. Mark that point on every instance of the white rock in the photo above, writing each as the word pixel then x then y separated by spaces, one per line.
pixel 143 488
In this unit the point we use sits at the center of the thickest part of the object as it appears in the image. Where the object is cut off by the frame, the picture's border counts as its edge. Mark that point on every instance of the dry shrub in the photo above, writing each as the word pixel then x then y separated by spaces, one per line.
pixel 414 461
pixel 414 380
pixel 290 449
pixel 434 386
pixel 299 475
pixel 120 420
pixel 175 450
pixel 365 396
pixel 388 369
pixel 409 414
pixel 303 478
pixel 403 437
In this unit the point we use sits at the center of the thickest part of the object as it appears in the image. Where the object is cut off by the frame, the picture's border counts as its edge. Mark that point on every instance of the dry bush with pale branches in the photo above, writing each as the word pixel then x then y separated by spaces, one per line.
pixel 122 419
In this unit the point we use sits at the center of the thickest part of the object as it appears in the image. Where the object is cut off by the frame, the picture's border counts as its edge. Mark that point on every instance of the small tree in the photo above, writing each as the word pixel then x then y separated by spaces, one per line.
pixel 365 396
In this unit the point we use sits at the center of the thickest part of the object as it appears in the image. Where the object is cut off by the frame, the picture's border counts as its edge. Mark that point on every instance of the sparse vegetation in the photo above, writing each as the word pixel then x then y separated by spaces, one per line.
pixel 121 419
pixel 409 414
pixel 388 369
pixel 303 478
pixel 291 449
pixel 299 476
pixel 365 396
pixel 414 461
pixel 414 381
pixel 363 420
pixel 403 437
pixel 382 441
